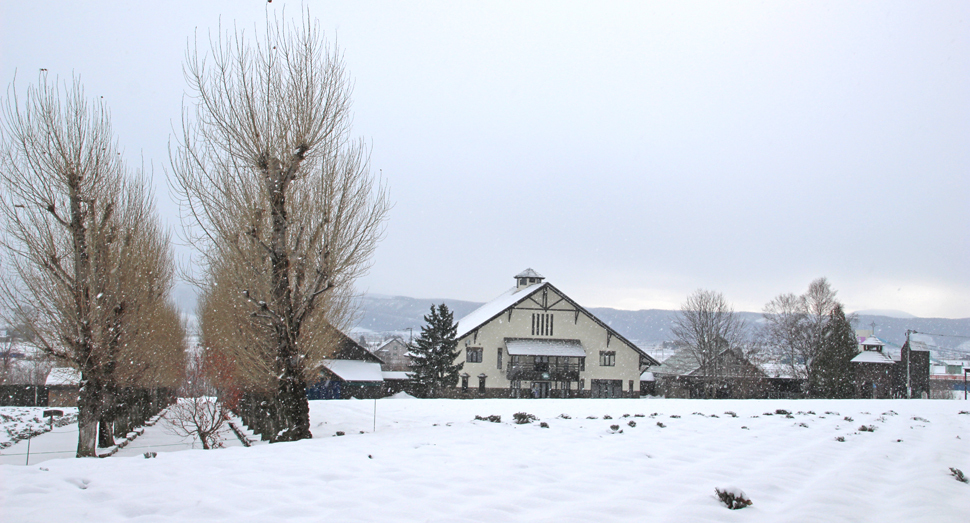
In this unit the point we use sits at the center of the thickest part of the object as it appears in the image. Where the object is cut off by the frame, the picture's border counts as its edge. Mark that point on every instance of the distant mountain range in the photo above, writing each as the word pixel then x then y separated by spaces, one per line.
pixel 386 314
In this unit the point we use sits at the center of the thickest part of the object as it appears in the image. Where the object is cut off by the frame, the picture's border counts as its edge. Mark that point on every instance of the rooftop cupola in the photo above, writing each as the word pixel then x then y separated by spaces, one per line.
pixel 872 343
pixel 527 277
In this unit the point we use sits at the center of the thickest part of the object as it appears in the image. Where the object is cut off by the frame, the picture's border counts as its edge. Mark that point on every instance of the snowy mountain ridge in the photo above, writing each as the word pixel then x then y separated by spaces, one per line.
pixel 380 313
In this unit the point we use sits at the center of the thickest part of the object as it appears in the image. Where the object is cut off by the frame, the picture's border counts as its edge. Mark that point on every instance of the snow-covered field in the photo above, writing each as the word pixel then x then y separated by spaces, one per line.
pixel 430 461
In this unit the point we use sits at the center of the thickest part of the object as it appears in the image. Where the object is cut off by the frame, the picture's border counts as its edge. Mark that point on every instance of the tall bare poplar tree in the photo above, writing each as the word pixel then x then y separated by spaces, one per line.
pixel 287 212
pixel 85 260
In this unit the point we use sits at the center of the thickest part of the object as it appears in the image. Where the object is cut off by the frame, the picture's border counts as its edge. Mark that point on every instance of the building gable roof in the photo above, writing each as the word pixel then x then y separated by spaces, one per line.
pixel 683 363
pixel 515 296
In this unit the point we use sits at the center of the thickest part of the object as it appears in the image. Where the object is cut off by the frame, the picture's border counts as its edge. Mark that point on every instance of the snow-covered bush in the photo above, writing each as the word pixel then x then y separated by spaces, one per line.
pixel 544 425
pixel 632 423
pixel 782 412
pixel 494 418
pixel 522 418
pixel 867 428
pixel 733 497
pixel 958 475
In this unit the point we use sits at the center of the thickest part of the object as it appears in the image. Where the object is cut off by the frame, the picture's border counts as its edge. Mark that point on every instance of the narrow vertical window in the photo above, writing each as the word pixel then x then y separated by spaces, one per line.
pixel 550 325
pixel 498 359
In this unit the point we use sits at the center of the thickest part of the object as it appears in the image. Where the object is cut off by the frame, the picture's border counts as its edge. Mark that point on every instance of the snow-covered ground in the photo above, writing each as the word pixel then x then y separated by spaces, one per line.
pixel 430 461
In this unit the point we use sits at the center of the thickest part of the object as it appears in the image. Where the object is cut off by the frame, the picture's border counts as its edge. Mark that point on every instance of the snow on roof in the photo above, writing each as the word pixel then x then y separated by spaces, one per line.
pixel 355 370
pixel 484 313
pixel 63 376
pixel 871 356
pixel 533 347
pixel 646 376
pixel 778 370
pixel 873 341
pixel 395 375
pixel 529 273
pixel 918 346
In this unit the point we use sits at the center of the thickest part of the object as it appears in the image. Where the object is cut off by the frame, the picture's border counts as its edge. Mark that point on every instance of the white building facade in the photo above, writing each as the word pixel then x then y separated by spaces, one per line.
pixel 534 341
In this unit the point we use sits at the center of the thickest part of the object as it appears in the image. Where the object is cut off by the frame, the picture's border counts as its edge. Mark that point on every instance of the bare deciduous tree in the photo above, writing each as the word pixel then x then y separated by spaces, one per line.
pixel 707 327
pixel 197 413
pixel 288 214
pixel 795 326
pixel 86 262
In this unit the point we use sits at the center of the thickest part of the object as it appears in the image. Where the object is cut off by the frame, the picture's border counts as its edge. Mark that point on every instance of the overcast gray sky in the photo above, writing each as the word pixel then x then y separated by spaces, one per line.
pixel 630 152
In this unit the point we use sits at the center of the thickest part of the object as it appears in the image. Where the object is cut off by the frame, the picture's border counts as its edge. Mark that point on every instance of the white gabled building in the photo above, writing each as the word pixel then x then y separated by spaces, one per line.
pixel 534 341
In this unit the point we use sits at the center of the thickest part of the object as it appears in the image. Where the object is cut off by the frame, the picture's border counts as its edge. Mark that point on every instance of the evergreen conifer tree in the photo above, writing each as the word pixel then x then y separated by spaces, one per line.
pixel 434 352
pixel 834 376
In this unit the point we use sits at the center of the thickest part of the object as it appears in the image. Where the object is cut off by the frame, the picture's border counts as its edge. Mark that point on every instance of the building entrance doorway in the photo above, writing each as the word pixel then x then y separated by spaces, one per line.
pixel 540 389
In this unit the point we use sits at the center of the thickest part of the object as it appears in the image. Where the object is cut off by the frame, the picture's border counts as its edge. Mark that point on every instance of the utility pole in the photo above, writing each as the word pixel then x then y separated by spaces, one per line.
pixel 909 358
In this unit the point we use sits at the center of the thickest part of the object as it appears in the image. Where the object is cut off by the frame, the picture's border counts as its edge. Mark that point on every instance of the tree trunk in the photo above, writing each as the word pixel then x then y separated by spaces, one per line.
pixel 88 400
pixel 294 410
pixel 106 436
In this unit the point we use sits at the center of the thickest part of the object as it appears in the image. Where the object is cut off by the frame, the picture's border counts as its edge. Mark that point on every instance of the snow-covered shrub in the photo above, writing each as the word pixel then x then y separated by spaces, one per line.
pixel 626 415
pixel 544 425
pixel 638 415
pixel 832 413
pixel 632 423
pixel 847 418
pixel 660 424
pixel 958 475
pixel 804 425
pixel 782 412
pixel 767 414
pixel 565 416
pixel 867 428
pixel 521 418
pixel 149 455
pixel 964 412
pixel 917 418
pixel 340 433
pixel 731 413
pixel 591 417
pixel 494 418
pixel 607 417
pixel 674 416
pixel 733 497
pixel 840 438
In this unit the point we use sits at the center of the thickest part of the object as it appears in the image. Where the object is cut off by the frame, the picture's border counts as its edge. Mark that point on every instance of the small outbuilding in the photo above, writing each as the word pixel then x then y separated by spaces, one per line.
pixel 63 384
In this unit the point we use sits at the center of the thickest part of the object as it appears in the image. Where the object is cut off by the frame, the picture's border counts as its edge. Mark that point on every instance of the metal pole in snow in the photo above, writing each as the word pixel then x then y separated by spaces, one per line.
pixel 28 451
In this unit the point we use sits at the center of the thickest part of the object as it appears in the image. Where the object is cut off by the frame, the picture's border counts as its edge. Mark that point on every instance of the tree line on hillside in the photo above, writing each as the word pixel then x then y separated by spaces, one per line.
pixel 276 195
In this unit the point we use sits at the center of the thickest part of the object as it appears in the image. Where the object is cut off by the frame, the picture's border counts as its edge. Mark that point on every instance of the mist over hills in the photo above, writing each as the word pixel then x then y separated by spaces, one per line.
pixel 384 314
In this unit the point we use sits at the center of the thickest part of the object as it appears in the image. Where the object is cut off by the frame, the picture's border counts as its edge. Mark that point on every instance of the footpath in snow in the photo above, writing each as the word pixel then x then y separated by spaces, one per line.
pixel 598 460
pixel 61 442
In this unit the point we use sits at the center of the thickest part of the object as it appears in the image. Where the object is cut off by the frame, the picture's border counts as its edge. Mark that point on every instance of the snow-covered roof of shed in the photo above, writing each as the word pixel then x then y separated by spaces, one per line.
pixel 873 341
pixel 647 376
pixel 63 376
pixel 529 273
pixel 486 312
pixel 534 347
pixel 355 370
pixel 871 356
pixel 918 346
pixel 681 363
pixel 395 375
